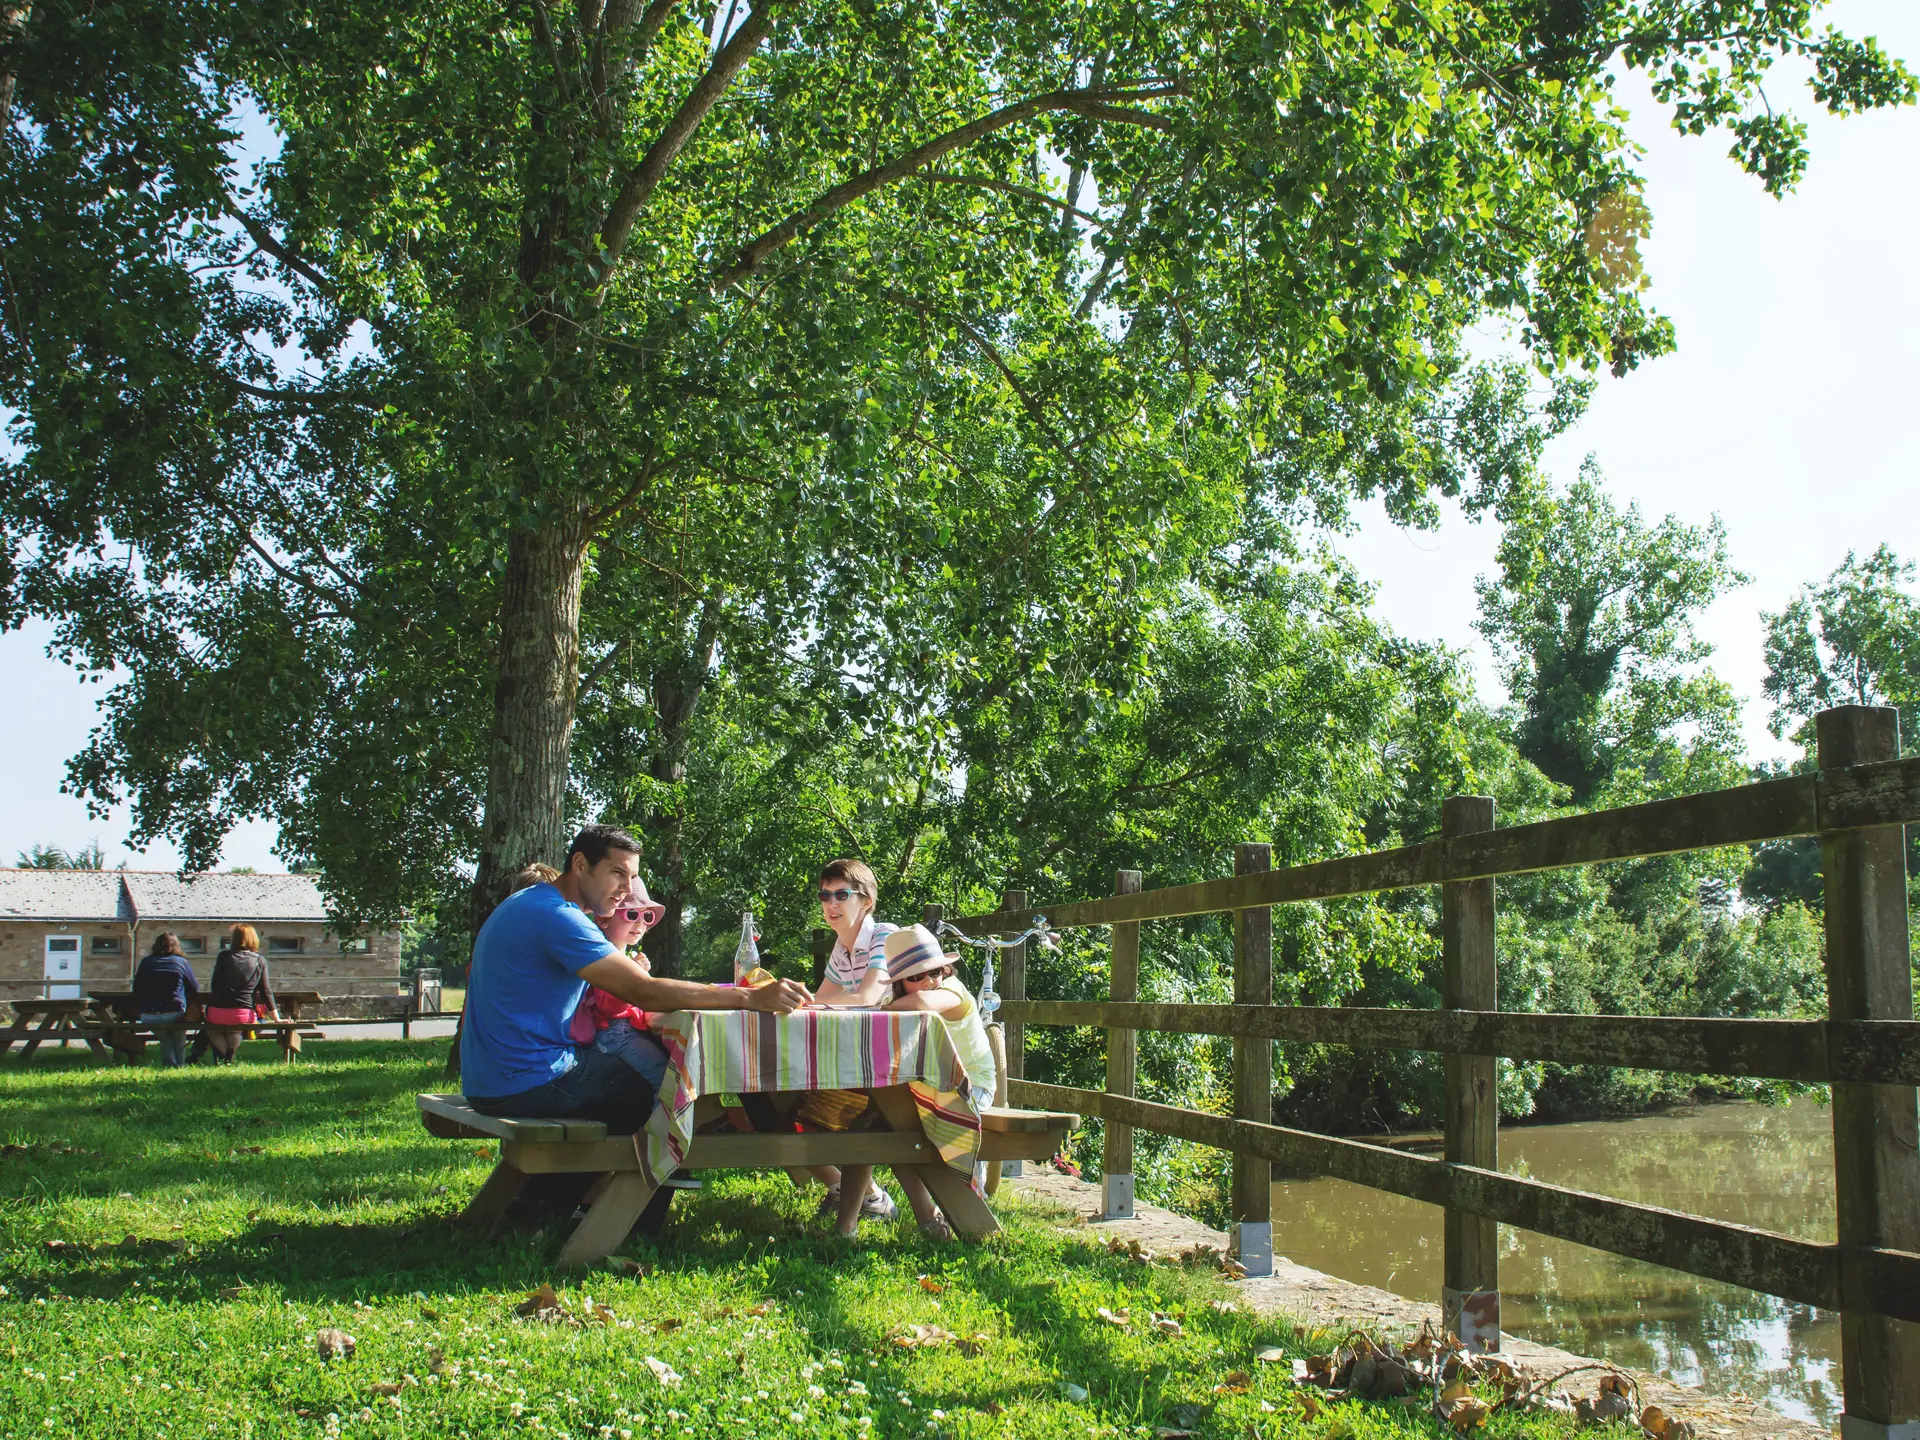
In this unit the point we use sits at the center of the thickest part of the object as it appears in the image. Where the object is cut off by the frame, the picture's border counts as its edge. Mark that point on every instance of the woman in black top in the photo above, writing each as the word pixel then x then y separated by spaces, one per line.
pixel 240 993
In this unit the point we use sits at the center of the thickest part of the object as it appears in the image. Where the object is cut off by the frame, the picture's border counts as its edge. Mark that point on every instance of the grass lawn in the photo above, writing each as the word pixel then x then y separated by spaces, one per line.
pixel 171 1242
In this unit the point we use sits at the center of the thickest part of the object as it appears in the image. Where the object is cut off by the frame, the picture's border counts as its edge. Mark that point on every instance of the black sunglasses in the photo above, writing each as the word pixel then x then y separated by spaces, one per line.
pixel 841 895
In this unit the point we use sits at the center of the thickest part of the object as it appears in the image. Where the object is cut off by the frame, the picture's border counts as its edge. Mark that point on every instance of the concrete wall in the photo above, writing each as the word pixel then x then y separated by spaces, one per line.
pixel 319 964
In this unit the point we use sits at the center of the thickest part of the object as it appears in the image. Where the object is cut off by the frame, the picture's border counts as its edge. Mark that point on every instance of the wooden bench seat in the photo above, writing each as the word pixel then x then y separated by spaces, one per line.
pixel 561 1146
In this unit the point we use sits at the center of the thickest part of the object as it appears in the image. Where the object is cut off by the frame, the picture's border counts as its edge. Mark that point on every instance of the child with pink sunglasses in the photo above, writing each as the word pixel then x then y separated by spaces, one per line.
pixel 608 1023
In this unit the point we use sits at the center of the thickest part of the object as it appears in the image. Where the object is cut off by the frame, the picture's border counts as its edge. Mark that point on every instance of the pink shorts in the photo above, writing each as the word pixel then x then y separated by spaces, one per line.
pixel 229 1015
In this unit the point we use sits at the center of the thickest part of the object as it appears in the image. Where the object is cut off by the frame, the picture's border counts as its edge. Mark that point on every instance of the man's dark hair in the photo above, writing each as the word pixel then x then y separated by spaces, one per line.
pixel 596 840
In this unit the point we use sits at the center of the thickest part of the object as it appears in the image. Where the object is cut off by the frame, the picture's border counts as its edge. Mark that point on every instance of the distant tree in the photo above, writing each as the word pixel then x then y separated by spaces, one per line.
pixel 1852 639
pixel 1592 620
pixel 52 857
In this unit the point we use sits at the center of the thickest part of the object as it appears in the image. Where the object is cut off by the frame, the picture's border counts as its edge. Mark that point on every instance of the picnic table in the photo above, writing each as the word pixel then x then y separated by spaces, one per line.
pixel 61 1020
pixel 108 1024
pixel 902 1061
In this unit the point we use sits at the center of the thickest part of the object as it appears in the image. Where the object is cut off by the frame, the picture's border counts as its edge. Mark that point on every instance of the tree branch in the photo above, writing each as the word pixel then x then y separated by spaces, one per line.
pixel 1092 103
pixel 265 242
pixel 543 31
pixel 942 177
pixel 653 166
pixel 1027 401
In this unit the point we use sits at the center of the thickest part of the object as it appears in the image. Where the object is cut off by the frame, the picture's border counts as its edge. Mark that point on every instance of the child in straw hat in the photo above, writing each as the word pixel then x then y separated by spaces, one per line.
pixel 924 978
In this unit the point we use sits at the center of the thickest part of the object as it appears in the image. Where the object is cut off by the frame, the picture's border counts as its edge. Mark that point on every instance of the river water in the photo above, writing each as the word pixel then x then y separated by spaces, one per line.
pixel 1771 1167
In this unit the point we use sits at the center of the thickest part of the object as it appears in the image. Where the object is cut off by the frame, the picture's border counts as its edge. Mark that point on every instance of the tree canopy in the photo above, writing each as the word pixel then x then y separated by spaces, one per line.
pixel 388 380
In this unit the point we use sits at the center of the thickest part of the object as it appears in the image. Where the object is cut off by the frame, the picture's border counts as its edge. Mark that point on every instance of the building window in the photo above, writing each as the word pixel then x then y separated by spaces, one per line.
pixel 106 945
pixel 192 945
pixel 284 945
pixel 359 945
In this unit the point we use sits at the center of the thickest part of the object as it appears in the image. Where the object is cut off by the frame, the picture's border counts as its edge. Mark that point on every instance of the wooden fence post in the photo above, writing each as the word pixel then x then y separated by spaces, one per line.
pixel 1470 1289
pixel 1013 986
pixel 1116 1188
pixel 1876 1132
pixel 1253 1071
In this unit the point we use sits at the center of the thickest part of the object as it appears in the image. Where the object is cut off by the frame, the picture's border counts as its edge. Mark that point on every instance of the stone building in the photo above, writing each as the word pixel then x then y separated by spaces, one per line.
pixel 66 932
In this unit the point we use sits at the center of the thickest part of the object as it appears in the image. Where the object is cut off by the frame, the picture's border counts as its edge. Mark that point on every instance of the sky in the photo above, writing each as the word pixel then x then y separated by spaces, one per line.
pixel 1788 409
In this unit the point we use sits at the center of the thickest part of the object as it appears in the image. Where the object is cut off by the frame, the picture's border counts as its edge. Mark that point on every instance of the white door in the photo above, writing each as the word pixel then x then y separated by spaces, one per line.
pixel 63 967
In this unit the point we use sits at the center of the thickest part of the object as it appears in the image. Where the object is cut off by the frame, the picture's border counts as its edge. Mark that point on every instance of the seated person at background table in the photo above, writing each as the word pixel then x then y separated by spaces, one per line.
pixel 924 979
pixel 164 988
pixel 239 994
pixel 533 960
pixel 605 1021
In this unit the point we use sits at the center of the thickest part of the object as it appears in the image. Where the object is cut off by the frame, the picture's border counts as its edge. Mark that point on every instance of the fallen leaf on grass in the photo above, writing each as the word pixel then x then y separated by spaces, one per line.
pixel 665 1327
pixel 1233 1269
pixel 633 1269
pixel 429 1315
pixel 1271 1355
pixel 252 1215
pixel 1167 1432
pixel 973 1344
pixel 1238 1383
pixel 385 1387
pixel 993 1407
pixel 1310 1407
pixel 932 1286
pixel 1225 1307
pixel 1165 1323
pixel 923 1337
pixel 1468 1415
pixel 663 1372
pixel 1120 1317
pixel 436 1360
pixel 234 1292
pixel 763 1308
pixel 333 1343
pixel 539 1305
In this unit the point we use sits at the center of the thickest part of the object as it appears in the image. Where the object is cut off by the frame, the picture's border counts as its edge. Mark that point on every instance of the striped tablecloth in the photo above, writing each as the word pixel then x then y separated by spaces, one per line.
pixel 731 1052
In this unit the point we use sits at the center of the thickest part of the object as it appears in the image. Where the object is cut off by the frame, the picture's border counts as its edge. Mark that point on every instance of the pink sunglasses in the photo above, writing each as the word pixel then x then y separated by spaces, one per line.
pixel 647 915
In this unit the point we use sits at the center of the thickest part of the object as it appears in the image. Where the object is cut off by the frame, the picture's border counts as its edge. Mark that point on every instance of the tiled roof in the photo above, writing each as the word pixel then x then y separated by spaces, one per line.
pixel 165 896
pixel 127 895
pixel 63 895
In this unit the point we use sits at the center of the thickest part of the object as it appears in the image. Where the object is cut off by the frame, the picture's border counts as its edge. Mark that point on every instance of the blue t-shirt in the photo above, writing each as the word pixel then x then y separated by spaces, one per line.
pixel 522 989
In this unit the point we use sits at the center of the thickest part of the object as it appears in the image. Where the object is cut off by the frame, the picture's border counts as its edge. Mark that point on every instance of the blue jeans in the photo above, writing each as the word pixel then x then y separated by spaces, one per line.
pixel 170 1035
pixel 626 1042
pixel 599 1087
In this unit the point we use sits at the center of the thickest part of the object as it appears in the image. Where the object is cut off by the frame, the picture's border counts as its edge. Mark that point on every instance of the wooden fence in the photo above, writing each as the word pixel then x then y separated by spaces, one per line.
pixel 1868 1048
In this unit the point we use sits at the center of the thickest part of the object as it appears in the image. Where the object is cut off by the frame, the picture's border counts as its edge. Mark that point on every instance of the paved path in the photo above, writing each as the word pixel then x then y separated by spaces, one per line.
pixel 422 1030
pixel 1322 1302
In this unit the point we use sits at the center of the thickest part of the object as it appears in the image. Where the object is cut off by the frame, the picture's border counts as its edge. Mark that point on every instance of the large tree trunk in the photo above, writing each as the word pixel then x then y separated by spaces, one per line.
pixel 534 691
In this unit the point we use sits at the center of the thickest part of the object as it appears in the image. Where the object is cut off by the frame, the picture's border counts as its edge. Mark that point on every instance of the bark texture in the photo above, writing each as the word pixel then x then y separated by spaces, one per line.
pixel 534 691
pixel 676 699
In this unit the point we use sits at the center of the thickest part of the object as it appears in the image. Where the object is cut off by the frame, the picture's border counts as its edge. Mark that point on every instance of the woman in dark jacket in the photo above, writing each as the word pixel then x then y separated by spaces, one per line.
pixel 239 994
pixel 163 990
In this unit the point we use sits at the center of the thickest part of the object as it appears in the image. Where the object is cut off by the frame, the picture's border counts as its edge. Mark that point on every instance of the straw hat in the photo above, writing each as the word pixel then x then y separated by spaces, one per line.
pixel 914 951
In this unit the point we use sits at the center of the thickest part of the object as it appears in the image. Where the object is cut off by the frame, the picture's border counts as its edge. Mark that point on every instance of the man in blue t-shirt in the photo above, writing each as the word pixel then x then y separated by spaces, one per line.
pixel 533 960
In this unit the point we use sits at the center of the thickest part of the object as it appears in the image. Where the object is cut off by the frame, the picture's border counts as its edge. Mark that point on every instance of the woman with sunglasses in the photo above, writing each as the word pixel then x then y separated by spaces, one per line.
pixel 856 975
pixel 857 968
pixel 605 1021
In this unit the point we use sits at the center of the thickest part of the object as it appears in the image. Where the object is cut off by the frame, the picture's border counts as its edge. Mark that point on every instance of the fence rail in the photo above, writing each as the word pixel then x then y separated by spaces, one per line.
pixel 1867 1048
pixel 1852 798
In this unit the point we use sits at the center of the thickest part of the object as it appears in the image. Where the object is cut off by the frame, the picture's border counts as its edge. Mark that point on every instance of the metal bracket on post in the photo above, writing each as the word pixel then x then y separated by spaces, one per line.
pixel 1116 1197
pixel 1253 1247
